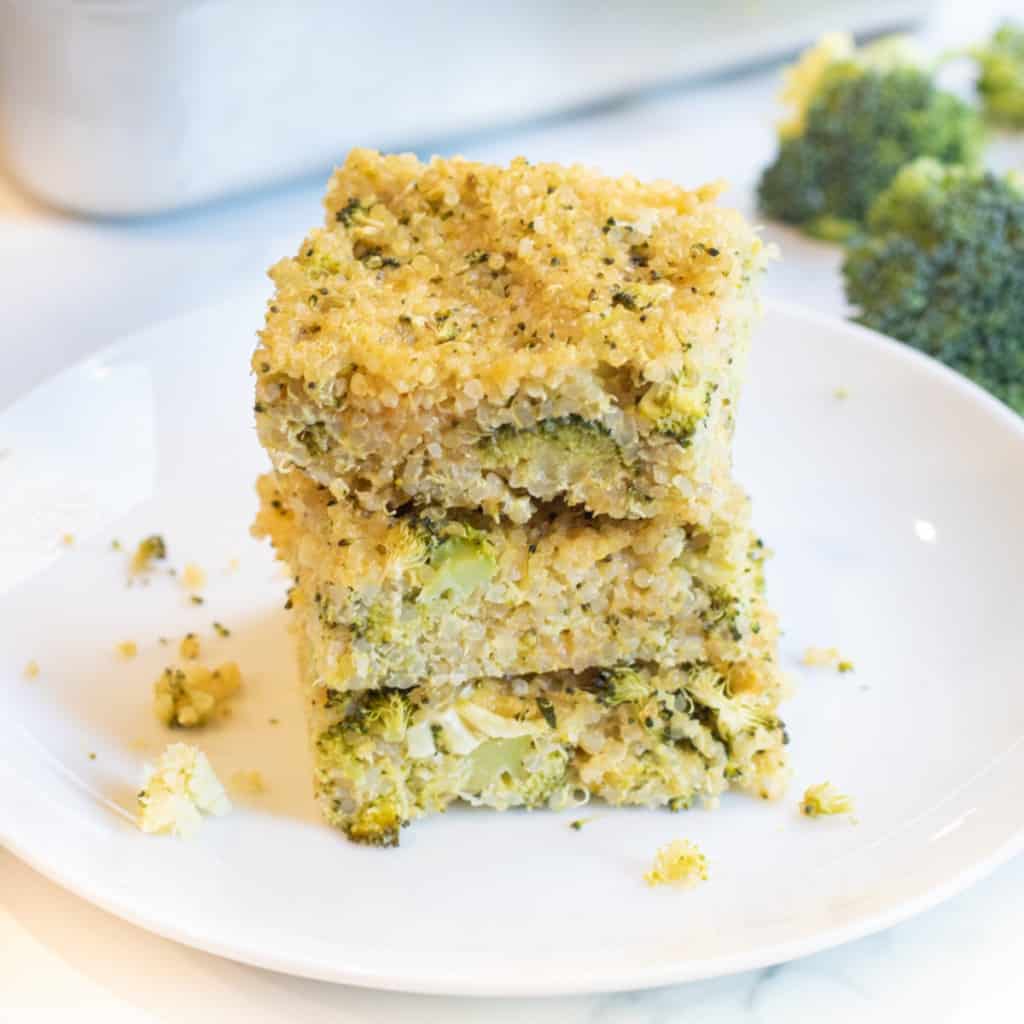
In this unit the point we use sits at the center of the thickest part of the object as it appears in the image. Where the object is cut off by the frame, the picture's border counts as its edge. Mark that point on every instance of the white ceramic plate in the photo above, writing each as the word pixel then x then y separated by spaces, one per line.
pixel 895 513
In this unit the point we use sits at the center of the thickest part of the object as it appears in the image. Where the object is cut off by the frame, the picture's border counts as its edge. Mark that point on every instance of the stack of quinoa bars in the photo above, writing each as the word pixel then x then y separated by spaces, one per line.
pixel 499 405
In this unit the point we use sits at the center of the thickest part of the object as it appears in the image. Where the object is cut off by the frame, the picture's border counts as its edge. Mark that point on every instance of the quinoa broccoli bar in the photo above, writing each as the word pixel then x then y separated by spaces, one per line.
pixel 433 597
pixel 499 407
pixel 627 734
pixel 476 337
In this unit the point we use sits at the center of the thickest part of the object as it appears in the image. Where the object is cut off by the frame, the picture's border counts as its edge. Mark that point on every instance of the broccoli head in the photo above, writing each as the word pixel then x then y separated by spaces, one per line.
pixel 941 267
pixel 1001 75
pixel 857 118
pixel 461 564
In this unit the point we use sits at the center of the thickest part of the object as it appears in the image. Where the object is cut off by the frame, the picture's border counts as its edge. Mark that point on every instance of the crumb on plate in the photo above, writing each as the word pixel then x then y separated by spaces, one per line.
pixel 178 790
pixel 189 647
pixel 150 549
pixel 127 649
pixel 67 539
pixel 32 670
pixel 824 799
pixel 679 863
pixel 221 630
pixel 191 695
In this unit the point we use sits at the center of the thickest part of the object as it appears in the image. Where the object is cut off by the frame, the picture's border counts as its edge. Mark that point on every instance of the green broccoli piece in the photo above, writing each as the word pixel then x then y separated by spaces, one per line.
pixel 315 439
pixel 942 268
pixel 566 437
pixel 499 766
pixel 859 117
pixel 676 409
pixel 460 564
pixel 386 713
pixel 622 685
pixel 1001 78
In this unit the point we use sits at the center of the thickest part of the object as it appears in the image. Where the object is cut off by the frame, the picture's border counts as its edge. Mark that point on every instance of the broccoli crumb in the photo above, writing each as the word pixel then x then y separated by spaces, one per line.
pixel 221 630
pixel 189 647
pixel 190 696
pixel 32 670
pixel 824 799
pixel 115 545
pixel 178 791
pixel 196 599
pixel 92 755
pixel 149 550
pixel 844 666
pixel 127 649
pixel 577 825
pixel 679 863
pixel 840 394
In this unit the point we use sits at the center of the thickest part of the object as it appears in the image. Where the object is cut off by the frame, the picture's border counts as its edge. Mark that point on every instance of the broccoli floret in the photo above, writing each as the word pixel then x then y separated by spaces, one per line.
pixel 565 438
pixel 622 685
pixel 858 118
pixel 464 561
pixel 676 409
pixel 1001 75
pixel 377 823
pixel 514 771
pixel 942 268
pixel 385 713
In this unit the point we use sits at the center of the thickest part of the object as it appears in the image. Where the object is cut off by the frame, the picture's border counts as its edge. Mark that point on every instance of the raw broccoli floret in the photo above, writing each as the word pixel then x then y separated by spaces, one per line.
pixel 857 118
pixel 941 267
pixel 1001 75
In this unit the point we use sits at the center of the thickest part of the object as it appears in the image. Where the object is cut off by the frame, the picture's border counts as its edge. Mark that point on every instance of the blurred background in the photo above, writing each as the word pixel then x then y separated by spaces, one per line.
pixel 158 151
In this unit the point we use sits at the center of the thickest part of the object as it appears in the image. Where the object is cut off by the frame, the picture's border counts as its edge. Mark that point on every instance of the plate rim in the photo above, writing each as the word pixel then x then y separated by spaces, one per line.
pixel 576 982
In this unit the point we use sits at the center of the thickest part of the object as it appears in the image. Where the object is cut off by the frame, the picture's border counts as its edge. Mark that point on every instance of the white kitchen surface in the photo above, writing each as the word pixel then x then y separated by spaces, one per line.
pixel 72 286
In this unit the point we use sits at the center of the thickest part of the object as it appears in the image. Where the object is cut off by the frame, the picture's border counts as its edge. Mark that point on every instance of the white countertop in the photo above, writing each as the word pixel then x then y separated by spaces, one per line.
pixel 59 955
